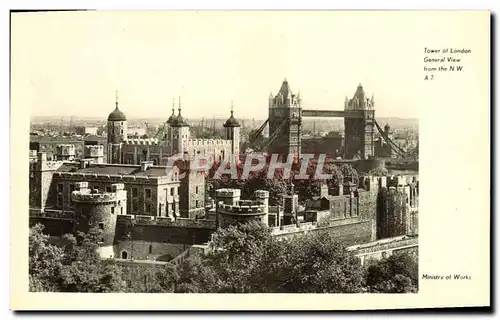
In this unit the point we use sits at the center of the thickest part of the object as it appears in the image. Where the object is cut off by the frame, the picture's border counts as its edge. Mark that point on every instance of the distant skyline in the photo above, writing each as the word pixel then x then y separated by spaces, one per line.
pixel 71 63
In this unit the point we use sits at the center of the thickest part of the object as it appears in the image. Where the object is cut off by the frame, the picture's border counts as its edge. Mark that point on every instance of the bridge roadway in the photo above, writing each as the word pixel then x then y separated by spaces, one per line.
pixel 337 113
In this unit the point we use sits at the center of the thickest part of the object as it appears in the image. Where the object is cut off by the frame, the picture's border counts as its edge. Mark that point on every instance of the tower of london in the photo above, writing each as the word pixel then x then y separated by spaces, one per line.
pixel 176 141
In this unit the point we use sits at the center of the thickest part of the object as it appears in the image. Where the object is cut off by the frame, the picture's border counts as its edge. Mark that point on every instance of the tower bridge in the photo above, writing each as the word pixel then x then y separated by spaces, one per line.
pixel 285 125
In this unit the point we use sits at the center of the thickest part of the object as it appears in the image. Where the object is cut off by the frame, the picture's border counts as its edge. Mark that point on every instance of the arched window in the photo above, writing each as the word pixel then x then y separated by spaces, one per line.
pixel 124 254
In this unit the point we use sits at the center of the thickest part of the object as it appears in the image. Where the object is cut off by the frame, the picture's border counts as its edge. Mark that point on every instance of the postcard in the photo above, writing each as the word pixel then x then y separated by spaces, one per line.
pixel 275 157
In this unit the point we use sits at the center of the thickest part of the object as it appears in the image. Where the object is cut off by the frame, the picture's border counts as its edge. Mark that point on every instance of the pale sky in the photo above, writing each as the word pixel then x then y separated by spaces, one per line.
pixel 70 64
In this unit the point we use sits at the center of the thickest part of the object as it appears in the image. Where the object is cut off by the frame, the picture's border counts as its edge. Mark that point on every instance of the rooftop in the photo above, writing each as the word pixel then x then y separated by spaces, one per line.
pixel 113 169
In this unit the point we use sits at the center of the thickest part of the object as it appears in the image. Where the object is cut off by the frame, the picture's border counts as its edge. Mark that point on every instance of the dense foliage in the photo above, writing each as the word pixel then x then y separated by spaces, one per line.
pixel 244 259
pixel 397 273
pixel 73 265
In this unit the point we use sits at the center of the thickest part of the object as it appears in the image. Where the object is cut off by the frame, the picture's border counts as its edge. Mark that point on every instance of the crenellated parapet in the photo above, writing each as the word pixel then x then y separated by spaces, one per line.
pixel 243 207
pixel 51 214
pixel 122 178
pixel 67 150
pixel 165 221
pixel 79 196
pixel 231 210
pixel 227 193
pixel 142 142
pixel 93 151
pixel 209 142
pixel 84 194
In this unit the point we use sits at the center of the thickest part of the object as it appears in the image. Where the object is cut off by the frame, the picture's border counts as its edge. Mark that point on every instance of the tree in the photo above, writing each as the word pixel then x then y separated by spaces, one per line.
pixel 45 261
pixel 316 263
pixel 74 266
pixel 247 259
pixel 85 271
pixel 396 274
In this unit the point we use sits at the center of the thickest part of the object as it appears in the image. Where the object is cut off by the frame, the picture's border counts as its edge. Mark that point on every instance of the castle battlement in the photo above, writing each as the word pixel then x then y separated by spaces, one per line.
pixel 149 141
pixel 84 194
pixel 87 195
pixel 125 178
pixel 54 214
pixel 65 149
pixel 227 193
pixel 94 151
pixel 209 142
pixel 242 207
pixel 166 221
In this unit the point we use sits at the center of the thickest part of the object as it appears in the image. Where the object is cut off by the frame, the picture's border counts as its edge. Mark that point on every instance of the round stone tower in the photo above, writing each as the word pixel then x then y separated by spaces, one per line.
pixel 99 209
pixel 243 211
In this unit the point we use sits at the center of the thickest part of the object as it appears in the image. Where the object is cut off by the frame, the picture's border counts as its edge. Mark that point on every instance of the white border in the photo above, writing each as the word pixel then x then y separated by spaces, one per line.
pixel 186 4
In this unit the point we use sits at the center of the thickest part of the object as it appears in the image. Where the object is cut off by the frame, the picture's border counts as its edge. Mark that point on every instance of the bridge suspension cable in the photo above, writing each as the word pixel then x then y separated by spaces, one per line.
pixel 275 134
pixel 394 147
pixel 256 134
pixel 159 134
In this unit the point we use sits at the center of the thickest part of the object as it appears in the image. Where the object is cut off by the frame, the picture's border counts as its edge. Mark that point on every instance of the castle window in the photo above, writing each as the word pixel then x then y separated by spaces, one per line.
pixel 150 248
pixel 121 210
pixel 172 191
pixel 101 226
pixel 148 207
pixel 135 192
pixel 196 190
pixel 148 193
pixel 121 131
pixel 197 203
pixel 112 210
pixel 124 254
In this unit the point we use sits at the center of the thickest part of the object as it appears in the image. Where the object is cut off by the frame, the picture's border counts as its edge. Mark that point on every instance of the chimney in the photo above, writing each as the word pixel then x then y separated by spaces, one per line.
pixel 83 163
pixel 145 165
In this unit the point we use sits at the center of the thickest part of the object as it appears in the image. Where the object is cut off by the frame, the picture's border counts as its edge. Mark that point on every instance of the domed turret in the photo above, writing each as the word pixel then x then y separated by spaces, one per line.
pixel 117 115
pixel 172 117
pixel 179 121
pixel 231 122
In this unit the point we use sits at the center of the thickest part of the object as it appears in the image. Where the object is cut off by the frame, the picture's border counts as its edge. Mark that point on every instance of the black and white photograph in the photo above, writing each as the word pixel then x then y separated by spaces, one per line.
pixel 240 152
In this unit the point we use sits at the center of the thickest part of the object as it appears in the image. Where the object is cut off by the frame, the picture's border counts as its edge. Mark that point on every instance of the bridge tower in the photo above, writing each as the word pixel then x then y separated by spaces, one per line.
pixel 359 131
pixel 285 122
